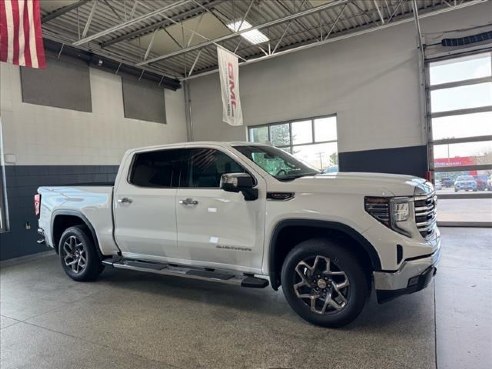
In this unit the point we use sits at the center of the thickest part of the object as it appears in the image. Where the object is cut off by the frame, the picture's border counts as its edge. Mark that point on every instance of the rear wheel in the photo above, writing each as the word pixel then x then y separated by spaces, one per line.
pixel 78 255
pixel 324 283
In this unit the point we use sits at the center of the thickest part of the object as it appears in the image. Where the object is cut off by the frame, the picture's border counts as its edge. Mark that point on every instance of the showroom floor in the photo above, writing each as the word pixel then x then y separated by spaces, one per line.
pixel 130 320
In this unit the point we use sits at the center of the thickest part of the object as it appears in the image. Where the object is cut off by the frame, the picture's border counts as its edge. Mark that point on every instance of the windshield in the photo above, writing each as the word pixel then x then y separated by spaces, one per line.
pixel 276 162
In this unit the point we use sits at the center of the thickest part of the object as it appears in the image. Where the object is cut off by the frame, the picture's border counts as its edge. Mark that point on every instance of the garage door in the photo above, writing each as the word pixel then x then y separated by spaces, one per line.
pixel 460 92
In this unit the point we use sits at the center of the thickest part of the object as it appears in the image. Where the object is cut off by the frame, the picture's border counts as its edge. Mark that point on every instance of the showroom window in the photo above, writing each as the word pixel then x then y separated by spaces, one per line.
pixel 460 92
pixel 312 140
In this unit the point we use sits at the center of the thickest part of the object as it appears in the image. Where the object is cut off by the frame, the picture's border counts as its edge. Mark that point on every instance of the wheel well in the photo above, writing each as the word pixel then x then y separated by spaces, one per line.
pixel 63 222
pixel 290 236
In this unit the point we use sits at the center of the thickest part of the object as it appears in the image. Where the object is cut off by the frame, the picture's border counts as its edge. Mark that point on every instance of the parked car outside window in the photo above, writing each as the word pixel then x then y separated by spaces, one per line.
pixel 438 185
pixel 447 182
pixel 466 183
pixel 481 182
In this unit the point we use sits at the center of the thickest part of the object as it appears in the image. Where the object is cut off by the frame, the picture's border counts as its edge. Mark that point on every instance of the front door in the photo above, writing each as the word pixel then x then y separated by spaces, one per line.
pixel 215 226
pixel 145 205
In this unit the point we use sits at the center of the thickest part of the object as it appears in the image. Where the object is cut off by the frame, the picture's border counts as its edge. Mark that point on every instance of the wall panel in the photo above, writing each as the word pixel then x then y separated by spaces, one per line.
pixel 47 145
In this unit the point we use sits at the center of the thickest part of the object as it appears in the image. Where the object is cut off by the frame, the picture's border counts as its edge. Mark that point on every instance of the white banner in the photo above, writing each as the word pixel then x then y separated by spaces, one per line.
pixel 229 86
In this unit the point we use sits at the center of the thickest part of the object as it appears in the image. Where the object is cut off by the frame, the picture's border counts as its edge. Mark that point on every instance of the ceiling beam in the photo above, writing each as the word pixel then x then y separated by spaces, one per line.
pixel 240 32
pixel 379 12
pixel 89 19
pixel 161 24
pixel 131 22
pixel 59 12
pixel 328 34
pixel 285 29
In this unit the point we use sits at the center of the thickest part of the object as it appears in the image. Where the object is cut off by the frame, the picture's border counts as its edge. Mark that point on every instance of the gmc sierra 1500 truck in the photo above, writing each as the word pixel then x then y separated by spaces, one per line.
pixel 249 215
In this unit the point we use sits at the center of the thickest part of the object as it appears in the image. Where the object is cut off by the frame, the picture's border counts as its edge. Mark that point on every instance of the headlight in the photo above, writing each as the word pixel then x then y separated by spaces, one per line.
pixel 393 212
pixel 400 209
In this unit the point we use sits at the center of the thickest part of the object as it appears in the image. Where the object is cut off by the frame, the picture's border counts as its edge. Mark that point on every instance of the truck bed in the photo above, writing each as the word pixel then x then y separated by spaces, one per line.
pixel 92 202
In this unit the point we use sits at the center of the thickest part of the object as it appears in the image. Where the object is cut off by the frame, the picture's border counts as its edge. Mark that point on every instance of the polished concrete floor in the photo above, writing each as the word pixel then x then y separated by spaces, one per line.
pixel 463 292
pixel 136 320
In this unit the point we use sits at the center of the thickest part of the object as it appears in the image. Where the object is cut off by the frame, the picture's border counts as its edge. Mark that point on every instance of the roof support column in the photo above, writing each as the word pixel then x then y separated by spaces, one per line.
pixel 424 106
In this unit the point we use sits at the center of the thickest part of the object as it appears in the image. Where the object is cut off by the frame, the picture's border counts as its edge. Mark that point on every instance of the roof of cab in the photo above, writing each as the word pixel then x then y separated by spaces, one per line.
pixel 197 144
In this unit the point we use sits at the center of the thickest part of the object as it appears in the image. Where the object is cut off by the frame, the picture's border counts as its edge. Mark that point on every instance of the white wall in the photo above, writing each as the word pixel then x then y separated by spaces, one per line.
pixel 41 135
pixel 370 81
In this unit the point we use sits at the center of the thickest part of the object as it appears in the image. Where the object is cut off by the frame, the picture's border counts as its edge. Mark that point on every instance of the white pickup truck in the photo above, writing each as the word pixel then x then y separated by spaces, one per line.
pixel 249 215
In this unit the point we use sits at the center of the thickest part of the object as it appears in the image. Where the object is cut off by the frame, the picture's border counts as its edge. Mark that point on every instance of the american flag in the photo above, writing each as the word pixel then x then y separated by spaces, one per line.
pixel 21 39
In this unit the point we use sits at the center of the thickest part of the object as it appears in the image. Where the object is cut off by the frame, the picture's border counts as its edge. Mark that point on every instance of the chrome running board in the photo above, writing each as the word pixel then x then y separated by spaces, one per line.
pixel 211 275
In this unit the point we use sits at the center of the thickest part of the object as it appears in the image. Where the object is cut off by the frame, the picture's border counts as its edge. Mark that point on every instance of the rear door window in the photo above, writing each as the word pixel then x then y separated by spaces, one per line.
pixel 158 169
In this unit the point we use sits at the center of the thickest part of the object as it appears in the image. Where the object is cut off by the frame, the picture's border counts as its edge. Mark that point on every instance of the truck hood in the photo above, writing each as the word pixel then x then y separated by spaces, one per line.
pixel 368 184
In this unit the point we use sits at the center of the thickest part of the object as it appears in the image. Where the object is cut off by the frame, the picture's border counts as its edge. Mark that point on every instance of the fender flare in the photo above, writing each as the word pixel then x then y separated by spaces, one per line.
pixel 328 225
pixel 78 214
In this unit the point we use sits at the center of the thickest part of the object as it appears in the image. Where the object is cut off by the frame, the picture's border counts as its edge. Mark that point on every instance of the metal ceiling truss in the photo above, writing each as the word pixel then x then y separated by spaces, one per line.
pixel 392 21
pixel 59 12
pixel 111 28
pixel 241 32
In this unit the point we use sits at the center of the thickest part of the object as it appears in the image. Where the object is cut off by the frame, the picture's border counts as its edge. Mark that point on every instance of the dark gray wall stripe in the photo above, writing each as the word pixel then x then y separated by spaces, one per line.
pixel 401 160
pixel 22 183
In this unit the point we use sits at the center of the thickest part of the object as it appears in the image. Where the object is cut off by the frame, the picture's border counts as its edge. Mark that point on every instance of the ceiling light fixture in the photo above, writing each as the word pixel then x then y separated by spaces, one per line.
pixel 254 36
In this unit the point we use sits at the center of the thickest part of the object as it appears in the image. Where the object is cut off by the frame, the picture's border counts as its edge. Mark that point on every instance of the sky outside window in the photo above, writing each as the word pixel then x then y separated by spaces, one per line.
pixel 460 69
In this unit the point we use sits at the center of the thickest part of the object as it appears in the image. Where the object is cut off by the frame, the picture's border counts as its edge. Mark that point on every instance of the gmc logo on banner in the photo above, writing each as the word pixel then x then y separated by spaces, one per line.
pixel 232 112
pixel 232 86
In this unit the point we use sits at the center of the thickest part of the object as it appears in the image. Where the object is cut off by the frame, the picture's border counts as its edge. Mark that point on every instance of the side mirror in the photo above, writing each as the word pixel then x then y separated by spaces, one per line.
pixel 239 182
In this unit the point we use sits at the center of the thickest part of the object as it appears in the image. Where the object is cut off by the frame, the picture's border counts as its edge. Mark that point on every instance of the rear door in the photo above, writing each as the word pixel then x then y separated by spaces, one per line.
pixel 145 205
pixel 216 226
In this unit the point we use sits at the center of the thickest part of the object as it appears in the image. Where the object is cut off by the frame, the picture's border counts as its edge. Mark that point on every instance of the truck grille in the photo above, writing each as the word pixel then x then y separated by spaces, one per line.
pixel 425 214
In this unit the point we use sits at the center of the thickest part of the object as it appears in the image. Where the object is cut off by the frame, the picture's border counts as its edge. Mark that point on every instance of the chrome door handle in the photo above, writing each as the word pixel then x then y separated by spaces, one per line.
pixel 125 200
pixel 188 201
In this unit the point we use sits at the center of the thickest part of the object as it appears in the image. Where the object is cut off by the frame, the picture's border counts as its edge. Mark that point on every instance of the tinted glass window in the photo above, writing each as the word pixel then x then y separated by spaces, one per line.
pixel 158 169
pixel 206 167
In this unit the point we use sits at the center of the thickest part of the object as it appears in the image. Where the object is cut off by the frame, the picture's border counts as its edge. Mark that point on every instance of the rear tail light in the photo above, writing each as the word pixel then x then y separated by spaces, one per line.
pixel 37 204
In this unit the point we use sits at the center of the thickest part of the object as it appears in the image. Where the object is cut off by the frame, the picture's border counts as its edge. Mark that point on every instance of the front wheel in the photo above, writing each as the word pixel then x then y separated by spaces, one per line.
pixel 78 255
pixel 324 283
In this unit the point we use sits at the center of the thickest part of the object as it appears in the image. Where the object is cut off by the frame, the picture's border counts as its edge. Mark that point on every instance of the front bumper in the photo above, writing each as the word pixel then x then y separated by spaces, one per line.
pixel 413 275
pixel 466 187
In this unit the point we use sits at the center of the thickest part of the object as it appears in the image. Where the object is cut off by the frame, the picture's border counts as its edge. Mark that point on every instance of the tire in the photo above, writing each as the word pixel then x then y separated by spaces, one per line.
pixel 78 255
pixel 328 313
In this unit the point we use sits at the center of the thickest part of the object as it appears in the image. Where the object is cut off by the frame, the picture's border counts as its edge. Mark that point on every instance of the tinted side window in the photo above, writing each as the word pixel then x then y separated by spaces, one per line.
pixel 158 169
pixel 206 167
